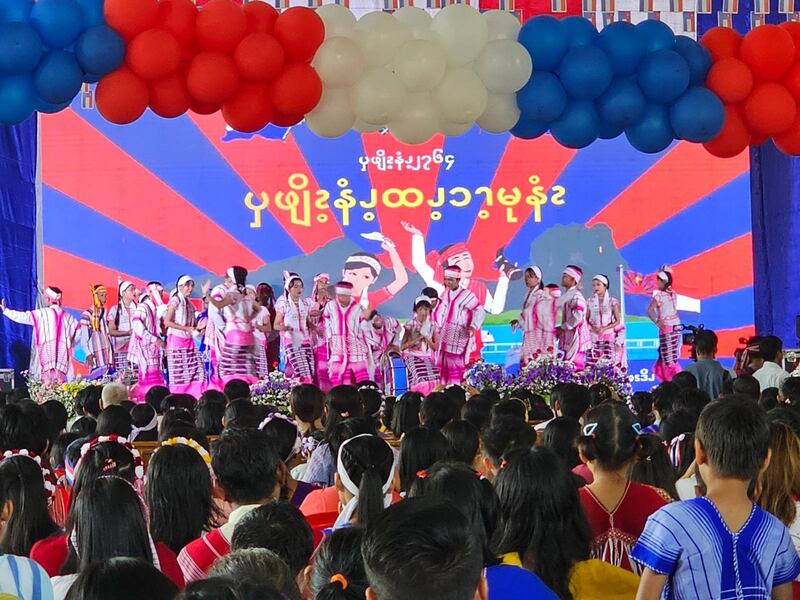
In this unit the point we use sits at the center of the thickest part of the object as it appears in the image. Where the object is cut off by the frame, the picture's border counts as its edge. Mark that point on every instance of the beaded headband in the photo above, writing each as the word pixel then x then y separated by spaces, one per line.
pixel 138 465
pixel 47 476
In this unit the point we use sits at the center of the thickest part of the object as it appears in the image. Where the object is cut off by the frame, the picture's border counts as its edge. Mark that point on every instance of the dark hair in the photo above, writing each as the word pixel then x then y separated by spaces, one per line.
pixel 437 410
pixel 343 402
pixel 705 342
pixel 685 380
pixel 614 437
pixel 575 400
pixel 239 408
pixel 477 411
pixel 59 449
pixel 681 451
pixel 430 293
pixel 246 465
pixel 369 462
pixel 340 554
pixel 387 412
pixel 21 484
pixel 155 396
pixel 239 276
pixel 420 303
pixel 539 410
pixel 598 394
pixel 678 422
pixel 769 399
pixel 347 429
pixel 236 389
pixel 283 435
pixel 225 588
pixel 786 415
pixel 279 527
pixel 114 420
pixel 307 402
pixel 790 390
pixel 56 414
pixel 372 400
pixel 212 396
pixel 693 400
pixel 18 430
pixel 186 402
pixel 41 425
pixel 541 517
pixel 665 396
pixel 643 407
pixel 503 434
pixel 420 448
pixel 121 578
pixel 464 441
pixel 257 566
pixel 141 416
pixel 735 435
pixel 84 426
pixel 512 407
pixel 654 467
pixel 770 347
pixel 406 413
pixel 561 436
pixel 180 496
pixel 184 429
pixel 89 399
pixel 467 491
pixel 422 548
pixel 172 417
pixel 208 418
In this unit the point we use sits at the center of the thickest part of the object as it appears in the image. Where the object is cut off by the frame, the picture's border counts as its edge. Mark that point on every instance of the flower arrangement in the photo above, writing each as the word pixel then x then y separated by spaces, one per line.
pixel 273 390
pixel 483 375
pixel 66 393
pixel 544 372
pixel 612 375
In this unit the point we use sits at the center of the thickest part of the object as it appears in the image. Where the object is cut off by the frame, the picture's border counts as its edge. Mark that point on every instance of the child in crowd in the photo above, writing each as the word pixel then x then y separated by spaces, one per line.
pixel 420 449
pixel 503 434
pixel 338 571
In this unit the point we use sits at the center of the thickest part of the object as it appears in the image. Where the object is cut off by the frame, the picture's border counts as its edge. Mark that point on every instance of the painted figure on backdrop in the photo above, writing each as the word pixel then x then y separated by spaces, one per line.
pixel 54 335
pixel 574 335
pixel 419 346
pixel 605 321
pixel 292 320
pixel 460 315
pixel 146 344
pixel 537 320
pixel 321 296
pixel 383 336
pixel 349 359
pixel 94 335
pixel 184 363
pixel 362 269
pixel 663 311
pixel 120 324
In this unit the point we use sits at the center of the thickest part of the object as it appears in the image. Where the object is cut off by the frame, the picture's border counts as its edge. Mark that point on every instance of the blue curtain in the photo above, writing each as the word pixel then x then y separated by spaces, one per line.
pixel 17 237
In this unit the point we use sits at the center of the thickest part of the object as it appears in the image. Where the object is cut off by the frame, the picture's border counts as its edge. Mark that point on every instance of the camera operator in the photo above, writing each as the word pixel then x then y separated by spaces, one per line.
pixel 709 372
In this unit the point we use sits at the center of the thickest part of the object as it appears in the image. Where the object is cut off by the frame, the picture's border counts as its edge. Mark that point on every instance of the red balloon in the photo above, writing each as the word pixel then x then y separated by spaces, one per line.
pixel 154 54
pixel 221 25
pixel 793 28
pixel 301 32
pixel 261 17
pixel 131 17
pixel 178 17
pixel 121 96
pixel 169 97
pixel 212 78
pixel 788 141
pixel 769 51
pixel 259 57
pixel 721 42
pixel 733 138
pixel 769 109
pixel 250 109
pixel 792 80
pixel 282 120
pixel 730 79
pixel 203 108
pixel 757 140
pixel 297 90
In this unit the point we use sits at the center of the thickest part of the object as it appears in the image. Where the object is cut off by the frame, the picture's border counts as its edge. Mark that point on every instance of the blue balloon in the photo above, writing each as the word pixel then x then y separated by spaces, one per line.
pixel 15 11
pixel 92 13
pixel 58 78
pixel 607 131
pixel 625 46
pixel 585 72
pixel 697 116
pixel 543 98
pixel 657 34
pixel 91 78
pixel 623 104
pixel 546 40
pixel 663 76
pixel 100 50
pixel 653 133
pixel 578 126
pixel 528 129
pixel 59 22
pixel 48 108
pixel 580 31
pixel 20 48
pixel 17 99
pixel 696 56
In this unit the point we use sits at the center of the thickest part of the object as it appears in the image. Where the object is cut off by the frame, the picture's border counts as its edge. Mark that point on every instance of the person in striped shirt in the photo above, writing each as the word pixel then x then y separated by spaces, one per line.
pixel 22 578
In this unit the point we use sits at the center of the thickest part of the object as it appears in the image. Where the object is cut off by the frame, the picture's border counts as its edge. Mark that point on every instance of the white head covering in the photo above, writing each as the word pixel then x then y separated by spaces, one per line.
pixel 230 273
pixel 576 275
pixel 536 271
pixel 124 285
pixel 602 279
pixel 288 276
pixel 664 272
pixel 422 298
pixel 451 272
pixel 52 294
pixel 184 279
pixel 135 431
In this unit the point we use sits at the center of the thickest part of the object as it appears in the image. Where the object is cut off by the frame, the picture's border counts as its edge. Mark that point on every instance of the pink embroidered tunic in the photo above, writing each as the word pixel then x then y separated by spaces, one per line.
pixel 538 323
pixel 54 335
pixel 575 337
pixel 121 344
pixel 96 343
pixel 610 344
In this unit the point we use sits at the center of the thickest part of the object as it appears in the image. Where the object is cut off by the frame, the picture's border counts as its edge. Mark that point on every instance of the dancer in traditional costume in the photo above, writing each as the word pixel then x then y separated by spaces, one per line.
pixel 120 323
pixel 266 298
pixel 537 320
pixel 605 321
pixel 237 360
pixel 420 344
pixel 146 343
pixel 383 336
pixel 54 335
pixel 663 311
pixel 349 359
pixel 94 335
pixel 460 315
pixel 574 335
pixel 262 326
pixel 292 320
pixel 186 373
pixel 215 329
pixel 321 297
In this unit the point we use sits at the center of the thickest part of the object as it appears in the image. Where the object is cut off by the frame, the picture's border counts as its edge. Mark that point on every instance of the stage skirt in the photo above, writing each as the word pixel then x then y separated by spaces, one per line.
pixel 185 367
pixel 262 364
pixel 669 349
pixel 422 373
pixel 237 362
pixel 452 368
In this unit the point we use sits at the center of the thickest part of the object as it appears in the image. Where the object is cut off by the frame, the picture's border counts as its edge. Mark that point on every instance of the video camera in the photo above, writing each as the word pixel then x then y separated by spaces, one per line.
pixel 690 337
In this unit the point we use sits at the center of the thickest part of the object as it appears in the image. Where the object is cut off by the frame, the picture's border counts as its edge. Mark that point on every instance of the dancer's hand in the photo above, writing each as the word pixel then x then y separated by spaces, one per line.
pixel 206 286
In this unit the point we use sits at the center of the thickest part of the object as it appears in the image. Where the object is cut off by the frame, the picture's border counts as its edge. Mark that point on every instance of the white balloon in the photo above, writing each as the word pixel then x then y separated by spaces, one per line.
pixel 339 62
pixel 378 96
pixel 504 66
pixel 418 20
pixel 462 31
pixel 333 116
pixel 338 20
pixel 461 97
pixel 420 65
pixel 364 127
pixel 380 36
pixel 417 121
pixel 503 25
pixel 454 129
pixel 501 113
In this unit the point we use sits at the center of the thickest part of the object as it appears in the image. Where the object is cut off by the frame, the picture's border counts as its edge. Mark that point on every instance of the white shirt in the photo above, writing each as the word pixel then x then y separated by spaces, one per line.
pixel 771 375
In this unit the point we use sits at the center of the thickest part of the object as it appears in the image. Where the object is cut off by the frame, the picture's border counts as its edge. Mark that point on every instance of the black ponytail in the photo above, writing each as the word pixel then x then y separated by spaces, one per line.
pixel 370 496
pixel 338 571
pixel 610 436
pixel 240 277
pixel 368 461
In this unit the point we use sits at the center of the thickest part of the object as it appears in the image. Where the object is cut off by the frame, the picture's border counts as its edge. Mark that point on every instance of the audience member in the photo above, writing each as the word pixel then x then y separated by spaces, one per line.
pixel 113 394
pixel 464 440
pixel 771 373
pixel 114 420
pixel 747 385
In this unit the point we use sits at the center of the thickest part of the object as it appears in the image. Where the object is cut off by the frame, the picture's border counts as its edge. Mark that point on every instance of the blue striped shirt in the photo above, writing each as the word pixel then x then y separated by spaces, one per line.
pixel 24 578
pixel 690 542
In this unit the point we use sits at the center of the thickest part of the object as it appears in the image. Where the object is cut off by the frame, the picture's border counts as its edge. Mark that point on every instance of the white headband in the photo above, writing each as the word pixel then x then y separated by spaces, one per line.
pixel 344 291
pixel 52 294
pixel 663 276
pixel 298 442
pixel 537 271
pixel 455 274
pixel 573 273
pixel 602 279
pixel 419 299
pixel 555 292
pixel 288 277
pixel 124 286
pixel 251 287
pixel 184 280
pixel 135 431
pixel 230 273
pixel 350 507
pixel 376 266
pixel 154 293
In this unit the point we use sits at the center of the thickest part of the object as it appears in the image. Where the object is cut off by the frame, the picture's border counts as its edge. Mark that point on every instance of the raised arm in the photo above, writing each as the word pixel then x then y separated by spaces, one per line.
pixel 418 260
pixel 400 273
pixel 18 316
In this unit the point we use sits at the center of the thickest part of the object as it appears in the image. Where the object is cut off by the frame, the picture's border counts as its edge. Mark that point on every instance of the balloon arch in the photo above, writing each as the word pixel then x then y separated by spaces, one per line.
pixel 407 71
